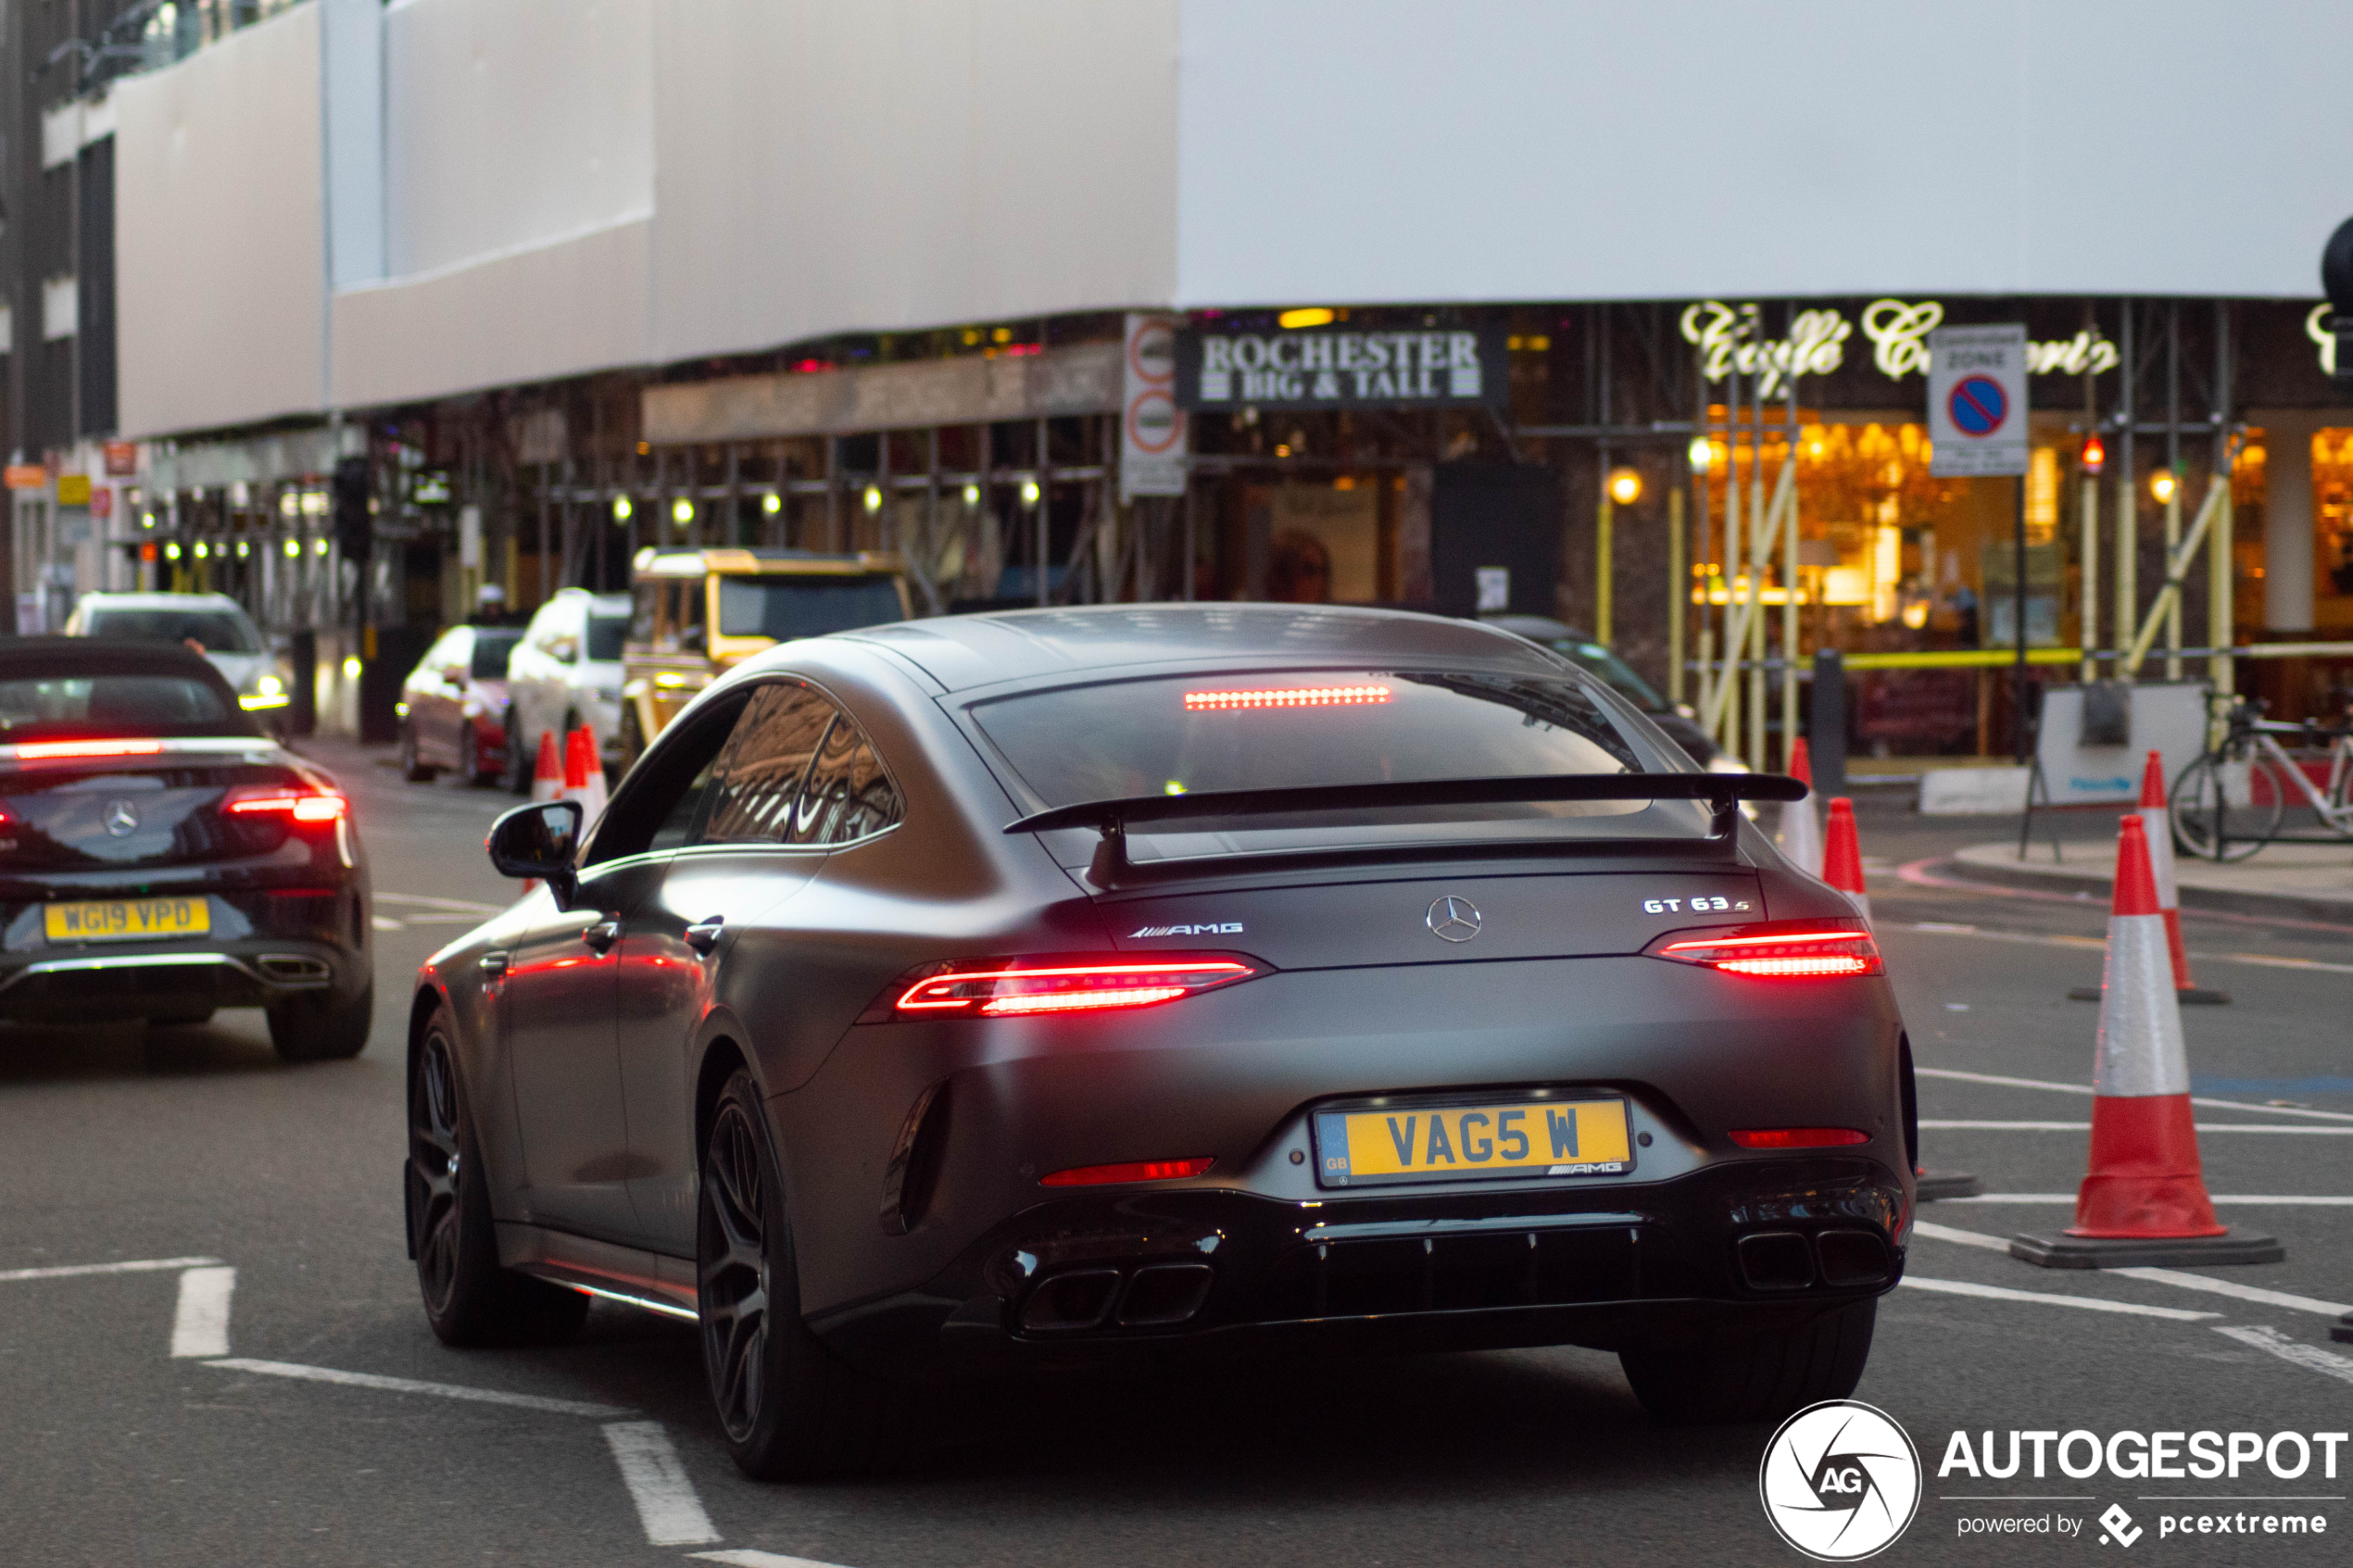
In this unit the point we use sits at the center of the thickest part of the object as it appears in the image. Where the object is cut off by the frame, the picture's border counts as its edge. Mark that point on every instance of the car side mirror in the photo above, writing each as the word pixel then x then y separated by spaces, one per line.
pixel 539 840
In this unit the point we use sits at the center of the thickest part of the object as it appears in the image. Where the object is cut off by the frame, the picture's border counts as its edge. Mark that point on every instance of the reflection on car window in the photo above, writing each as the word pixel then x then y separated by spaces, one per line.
pixel 220 631
pixel 849 796
pixel 606 634
pixel 491 649
pixel 659 801
pixel 761 773
pixel 786 607
pixel 115 705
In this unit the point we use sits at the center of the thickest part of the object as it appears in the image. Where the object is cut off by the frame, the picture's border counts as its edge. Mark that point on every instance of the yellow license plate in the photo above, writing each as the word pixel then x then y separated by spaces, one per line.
pixel 1420 1142
pixel 120 920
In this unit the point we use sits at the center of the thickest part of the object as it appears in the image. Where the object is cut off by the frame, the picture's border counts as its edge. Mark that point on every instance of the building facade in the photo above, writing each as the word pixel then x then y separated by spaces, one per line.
pixel 1500 303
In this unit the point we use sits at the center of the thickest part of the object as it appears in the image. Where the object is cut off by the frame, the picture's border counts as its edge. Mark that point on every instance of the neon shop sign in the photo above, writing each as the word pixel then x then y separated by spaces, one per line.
pixel 1731 338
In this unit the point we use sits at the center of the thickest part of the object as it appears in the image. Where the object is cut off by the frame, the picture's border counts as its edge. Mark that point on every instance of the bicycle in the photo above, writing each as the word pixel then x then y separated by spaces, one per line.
pixel 2229 803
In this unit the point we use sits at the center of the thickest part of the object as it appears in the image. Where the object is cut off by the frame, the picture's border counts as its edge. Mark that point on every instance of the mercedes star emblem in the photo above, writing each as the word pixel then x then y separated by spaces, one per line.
pixel 1453 919
pixel 122 819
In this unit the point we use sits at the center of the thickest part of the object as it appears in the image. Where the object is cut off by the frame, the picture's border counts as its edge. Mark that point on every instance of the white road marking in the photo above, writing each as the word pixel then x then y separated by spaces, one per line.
pixel 2326 1363
pixel 2174 1277
pixel 2304 1200
pixel 2088 1304
pixel 658 1484
pixel 744 1557
pixel 379 923
pixel 1997 1079
pixel 466 906
pixel 137 1266
pixel 200 1323
pixel 2260 960
pixel 2244 1292
pixel 1948 1126
pixel 411 1386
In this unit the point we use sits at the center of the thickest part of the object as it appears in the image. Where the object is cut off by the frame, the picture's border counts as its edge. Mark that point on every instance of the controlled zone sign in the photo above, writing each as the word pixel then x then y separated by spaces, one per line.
pixel 1977 401
pixel 1152 433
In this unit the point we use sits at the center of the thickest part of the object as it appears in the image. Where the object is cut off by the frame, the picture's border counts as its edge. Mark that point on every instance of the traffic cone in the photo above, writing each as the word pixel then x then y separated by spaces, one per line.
pixel 575 773
pixel 2143 1197
pixel 548 773
pixel 593 793
pixel 1801 829
pixel 1843 857
pixel 2156 822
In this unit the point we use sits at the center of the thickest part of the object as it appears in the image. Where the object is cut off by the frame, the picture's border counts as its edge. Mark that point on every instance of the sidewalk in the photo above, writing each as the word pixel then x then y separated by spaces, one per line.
pixel 2293 881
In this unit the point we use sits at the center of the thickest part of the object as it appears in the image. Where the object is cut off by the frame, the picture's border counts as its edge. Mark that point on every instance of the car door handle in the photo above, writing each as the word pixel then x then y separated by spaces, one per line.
pixel 703 935
pixel 602 935
pixel 494 965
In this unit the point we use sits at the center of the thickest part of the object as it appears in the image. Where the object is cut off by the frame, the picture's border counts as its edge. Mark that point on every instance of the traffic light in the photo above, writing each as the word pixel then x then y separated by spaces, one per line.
pixel 2337 282
pixel 354 528
pixel 2093 456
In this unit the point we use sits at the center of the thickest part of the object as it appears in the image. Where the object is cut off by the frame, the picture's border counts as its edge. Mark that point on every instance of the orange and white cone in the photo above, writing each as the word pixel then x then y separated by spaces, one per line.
pixel 575 773
pixel 548 773
pixel 1801 829
pixel 593 793
pixel 2156 824
pixel 1843 857
pixel 2143 1197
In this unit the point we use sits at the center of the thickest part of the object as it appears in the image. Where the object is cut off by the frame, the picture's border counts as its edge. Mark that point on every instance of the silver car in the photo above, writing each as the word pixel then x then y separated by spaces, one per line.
pixel 564 674
pixel 215 624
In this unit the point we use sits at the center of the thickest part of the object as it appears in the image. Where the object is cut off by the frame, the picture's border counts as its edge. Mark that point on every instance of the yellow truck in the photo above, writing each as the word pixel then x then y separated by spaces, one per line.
pixel 695 614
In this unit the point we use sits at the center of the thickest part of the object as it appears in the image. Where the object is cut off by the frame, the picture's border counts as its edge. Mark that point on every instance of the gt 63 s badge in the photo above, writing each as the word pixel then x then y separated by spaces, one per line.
pixel 1840 1481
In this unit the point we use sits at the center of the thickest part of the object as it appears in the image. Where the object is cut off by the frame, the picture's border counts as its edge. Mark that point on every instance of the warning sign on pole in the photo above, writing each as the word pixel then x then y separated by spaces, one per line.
pixel 1151 427
pixel 1977 401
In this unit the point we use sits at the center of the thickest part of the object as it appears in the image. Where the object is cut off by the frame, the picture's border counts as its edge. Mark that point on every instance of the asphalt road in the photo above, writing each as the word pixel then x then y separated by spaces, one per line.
pixel 152 1420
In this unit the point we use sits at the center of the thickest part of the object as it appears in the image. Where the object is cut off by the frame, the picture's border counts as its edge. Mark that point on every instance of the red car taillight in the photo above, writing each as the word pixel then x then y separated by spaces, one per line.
pixel 1797 1138
pixel 1134 1171
pixel 1014 987
pixel 1794 949
pixel 67 751
pixel 294 805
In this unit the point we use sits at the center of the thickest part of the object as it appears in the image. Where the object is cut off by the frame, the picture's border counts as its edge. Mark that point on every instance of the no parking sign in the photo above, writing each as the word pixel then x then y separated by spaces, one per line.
pixel 1977 401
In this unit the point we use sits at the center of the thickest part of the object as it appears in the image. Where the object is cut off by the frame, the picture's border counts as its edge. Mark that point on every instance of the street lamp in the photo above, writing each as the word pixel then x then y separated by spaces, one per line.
pixel 1624 486
pixel 621 509
pixel 682 511
pixel 1700 453
pixel 2163 487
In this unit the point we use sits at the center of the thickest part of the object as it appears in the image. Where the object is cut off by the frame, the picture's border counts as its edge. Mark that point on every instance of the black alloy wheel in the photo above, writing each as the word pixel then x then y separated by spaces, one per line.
pixel 469 1299
pixel 789 1406
pixel 321 1025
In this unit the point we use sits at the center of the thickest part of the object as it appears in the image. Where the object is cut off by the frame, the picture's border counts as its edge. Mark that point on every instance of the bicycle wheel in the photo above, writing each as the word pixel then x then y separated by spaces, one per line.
pixel 2219 818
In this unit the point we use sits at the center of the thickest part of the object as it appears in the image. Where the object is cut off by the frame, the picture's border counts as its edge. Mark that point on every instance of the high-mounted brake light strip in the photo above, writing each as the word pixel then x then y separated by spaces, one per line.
pixel 1792 950
pixel 301 806
pixel 51 750
pixel 1011 989
pixel 1287 697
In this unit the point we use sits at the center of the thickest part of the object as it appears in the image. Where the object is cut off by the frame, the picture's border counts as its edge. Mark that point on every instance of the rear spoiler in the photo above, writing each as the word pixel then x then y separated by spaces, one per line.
pixel 1113 818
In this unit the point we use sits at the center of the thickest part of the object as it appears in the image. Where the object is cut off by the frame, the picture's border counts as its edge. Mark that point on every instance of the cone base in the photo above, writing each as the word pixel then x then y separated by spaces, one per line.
pixel 1933 1184
pixel 2103 1252
pixel 2189 996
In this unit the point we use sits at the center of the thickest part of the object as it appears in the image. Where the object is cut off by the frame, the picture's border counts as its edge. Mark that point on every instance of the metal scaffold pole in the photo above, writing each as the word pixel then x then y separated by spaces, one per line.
pixel 1789 571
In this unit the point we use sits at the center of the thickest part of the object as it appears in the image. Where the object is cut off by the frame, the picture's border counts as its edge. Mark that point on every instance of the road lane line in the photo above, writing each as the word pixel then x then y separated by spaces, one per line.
pixel 742 1558
pixel 2263 1337
pixel 2088 1304
pixel 2261 960
pixel 658 1484
pixel 464 905
pixel 1950 1125
pixel 1999 1081
pixel 2174 1277
pixel 200 1323
pixel 137 1266
pixel 2304 1200
pixel 2231 1287
pixel 381 923
pixel 411 1386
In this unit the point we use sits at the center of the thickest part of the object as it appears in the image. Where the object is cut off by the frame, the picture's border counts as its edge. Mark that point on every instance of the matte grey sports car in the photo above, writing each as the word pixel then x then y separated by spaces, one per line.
pixel 1004 989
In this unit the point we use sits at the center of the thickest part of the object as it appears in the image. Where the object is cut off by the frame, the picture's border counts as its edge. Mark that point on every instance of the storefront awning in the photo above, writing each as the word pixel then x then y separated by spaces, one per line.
pixel 969 390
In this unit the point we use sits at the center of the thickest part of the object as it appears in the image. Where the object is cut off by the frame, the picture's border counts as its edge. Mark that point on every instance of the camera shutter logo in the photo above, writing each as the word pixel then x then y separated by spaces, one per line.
pixel 1452 920
pixel 1840 1481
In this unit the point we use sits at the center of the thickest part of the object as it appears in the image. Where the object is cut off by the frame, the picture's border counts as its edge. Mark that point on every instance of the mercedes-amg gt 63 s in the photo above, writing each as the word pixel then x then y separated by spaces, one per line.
pixel 1070 984
pixel 160 857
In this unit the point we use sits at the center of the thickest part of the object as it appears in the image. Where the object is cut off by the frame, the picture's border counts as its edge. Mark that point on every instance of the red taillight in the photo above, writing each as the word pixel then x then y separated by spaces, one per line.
pixel 1013 987
pixel 300 806
pixel 1798 1137
pixel 1136 1170
pixel 50 750
pixel 1797 949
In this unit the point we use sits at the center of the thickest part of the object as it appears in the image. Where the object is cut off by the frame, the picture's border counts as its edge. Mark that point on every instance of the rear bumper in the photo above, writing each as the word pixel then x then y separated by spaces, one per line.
pixel 1740 1245
pixel 92 987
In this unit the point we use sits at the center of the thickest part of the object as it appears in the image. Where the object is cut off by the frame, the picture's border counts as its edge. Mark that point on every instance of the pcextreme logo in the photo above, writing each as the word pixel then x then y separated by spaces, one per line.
pixel 1840 1481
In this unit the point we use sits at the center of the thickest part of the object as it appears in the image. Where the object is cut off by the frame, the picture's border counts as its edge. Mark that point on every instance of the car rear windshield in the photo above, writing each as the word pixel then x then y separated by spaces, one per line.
pixel 217 630
pixel 124 706
pixel 1292 729
pixel 606 634
pixel 491 649
pixel 784 607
